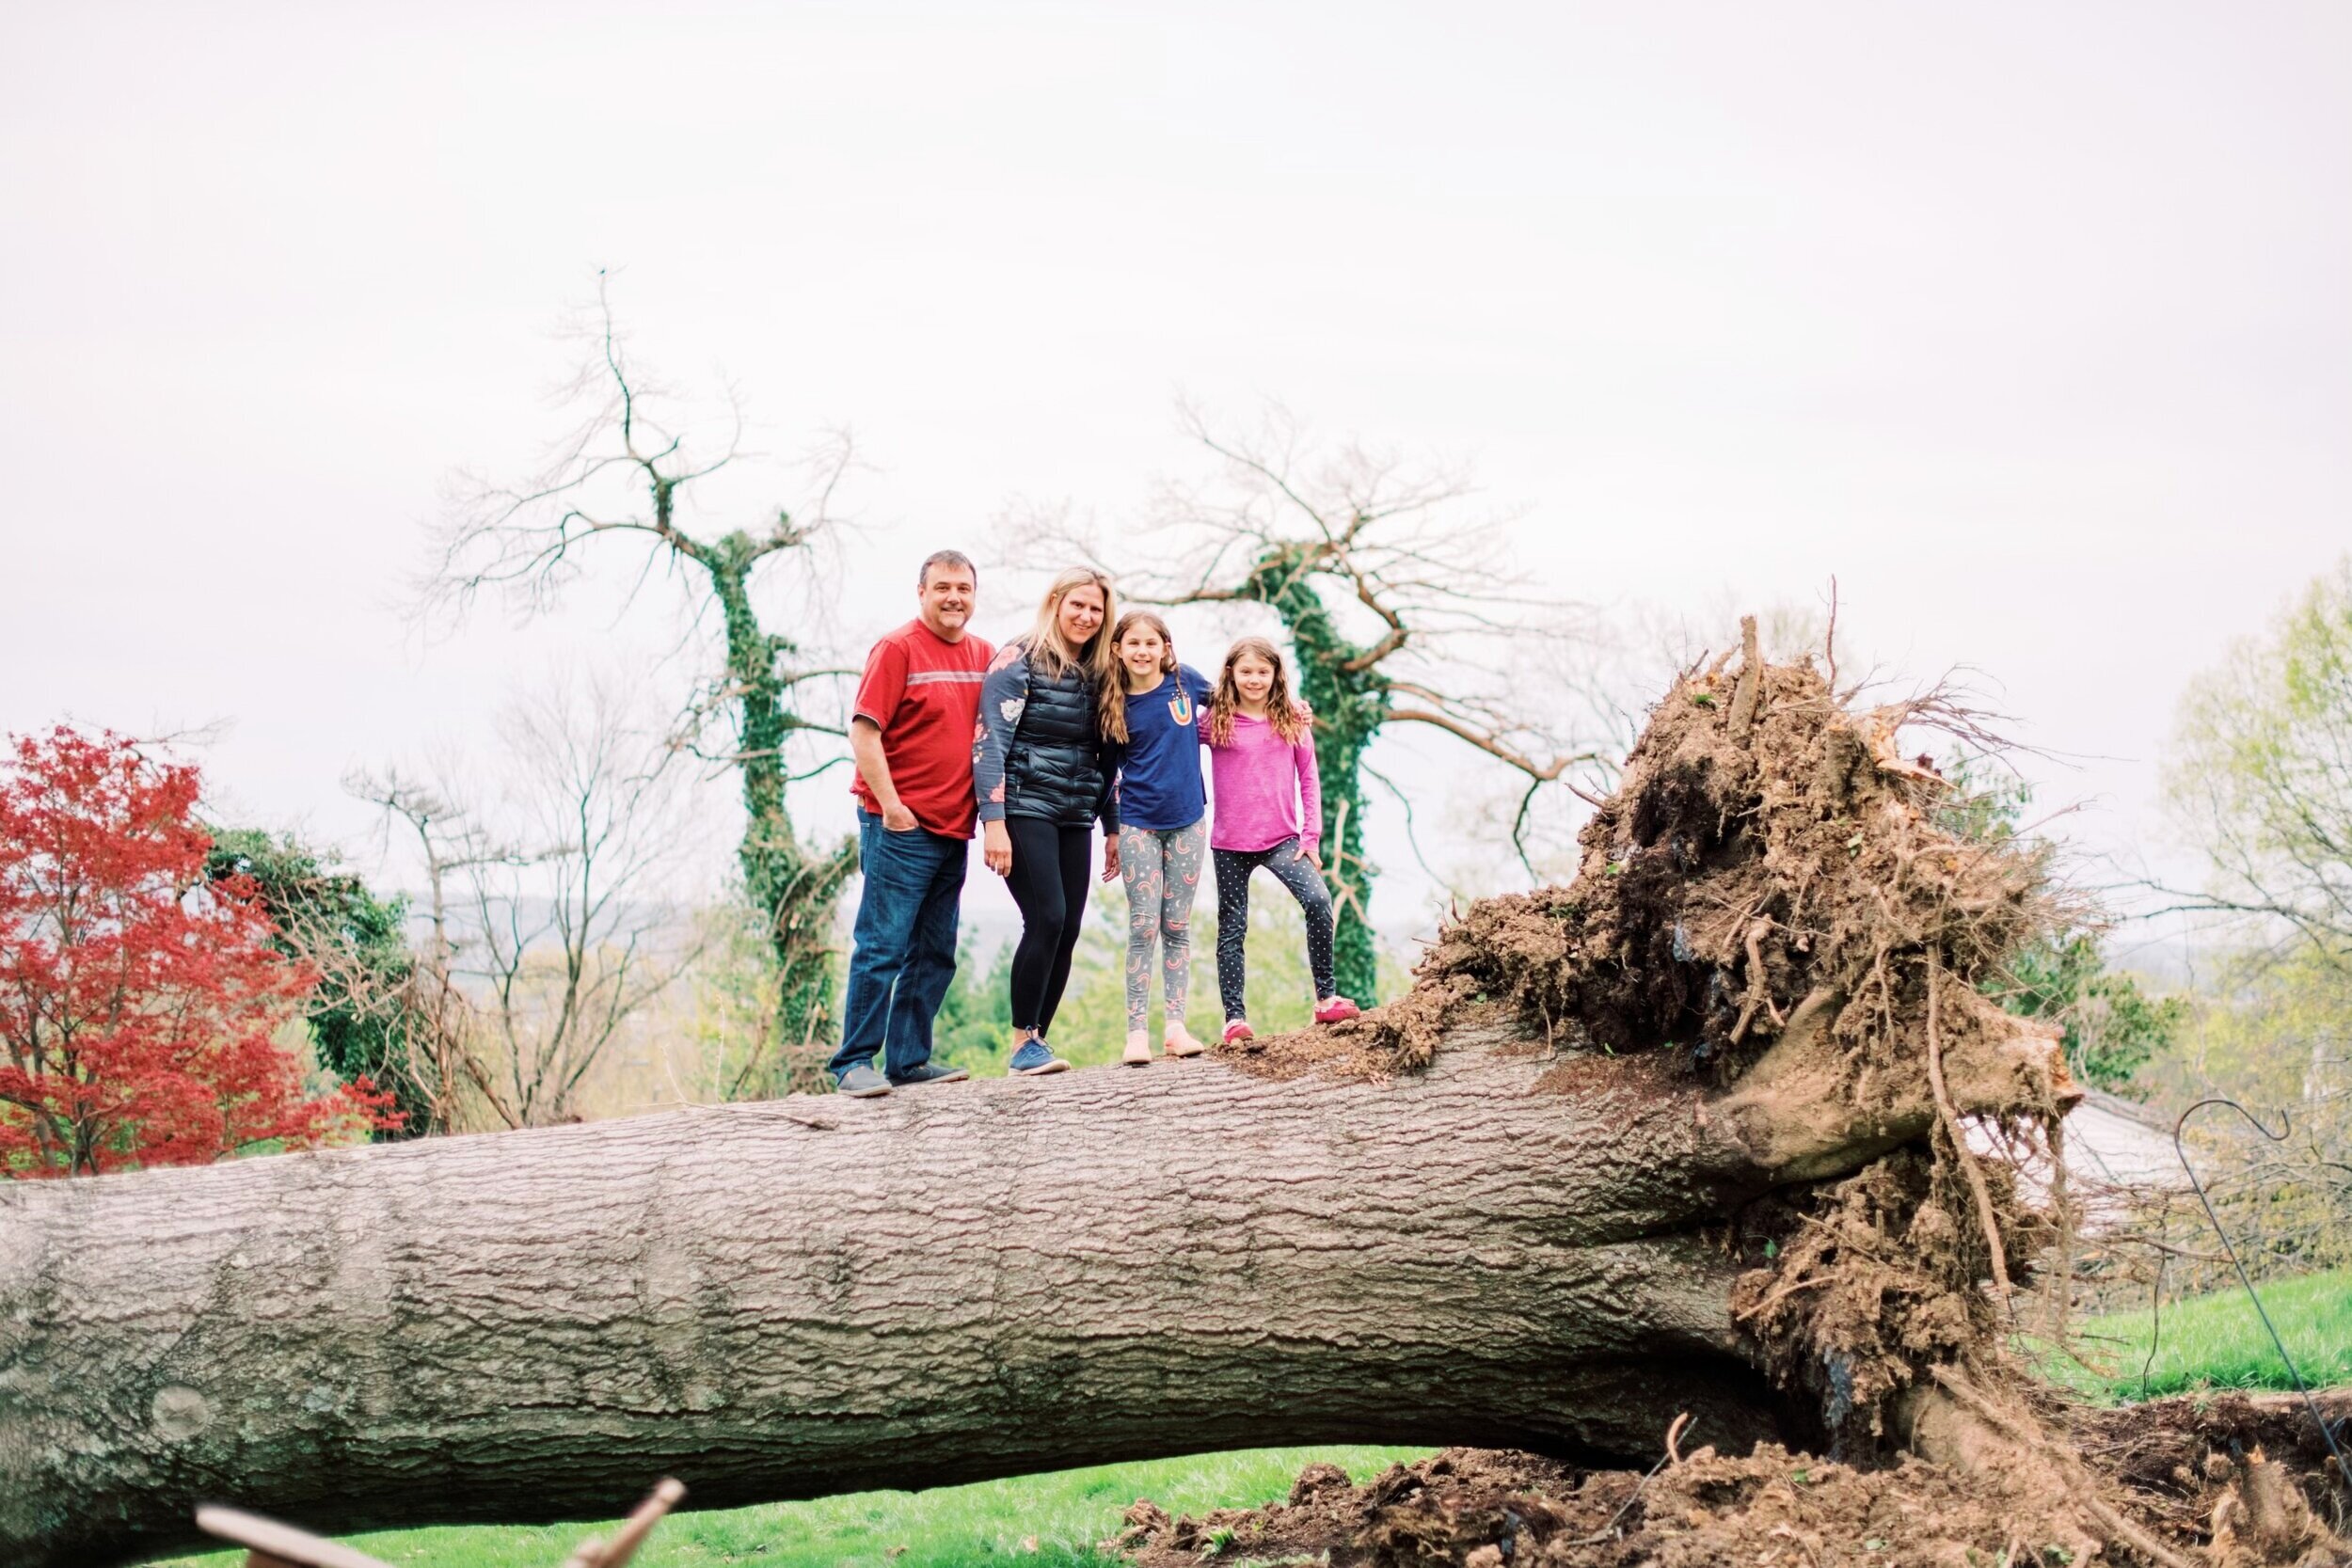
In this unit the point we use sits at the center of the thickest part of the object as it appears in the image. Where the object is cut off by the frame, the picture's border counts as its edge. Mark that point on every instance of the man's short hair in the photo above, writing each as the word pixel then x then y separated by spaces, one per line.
pixel 945 558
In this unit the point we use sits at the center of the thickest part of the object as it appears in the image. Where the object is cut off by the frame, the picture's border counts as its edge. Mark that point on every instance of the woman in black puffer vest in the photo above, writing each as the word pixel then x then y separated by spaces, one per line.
pixel 1043 763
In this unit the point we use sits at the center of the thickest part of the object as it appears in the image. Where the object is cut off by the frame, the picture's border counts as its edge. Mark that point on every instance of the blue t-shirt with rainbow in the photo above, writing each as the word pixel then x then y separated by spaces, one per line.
pixel 1159 783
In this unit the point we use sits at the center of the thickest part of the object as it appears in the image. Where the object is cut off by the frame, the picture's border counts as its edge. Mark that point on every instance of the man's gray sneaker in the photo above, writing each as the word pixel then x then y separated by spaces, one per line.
pixel 862 1083
pixel 929 1072
pixel 1035 1057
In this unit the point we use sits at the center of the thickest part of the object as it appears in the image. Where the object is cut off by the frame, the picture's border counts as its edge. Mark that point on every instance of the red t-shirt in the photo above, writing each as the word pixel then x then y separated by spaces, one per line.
pixel 924 694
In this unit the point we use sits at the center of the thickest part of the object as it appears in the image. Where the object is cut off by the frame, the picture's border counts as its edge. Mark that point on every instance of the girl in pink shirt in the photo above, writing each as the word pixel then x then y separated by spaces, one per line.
pixel 1268 813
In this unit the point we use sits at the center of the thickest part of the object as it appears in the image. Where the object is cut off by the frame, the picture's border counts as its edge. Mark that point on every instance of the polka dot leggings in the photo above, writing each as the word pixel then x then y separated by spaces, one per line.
pixel 1233 867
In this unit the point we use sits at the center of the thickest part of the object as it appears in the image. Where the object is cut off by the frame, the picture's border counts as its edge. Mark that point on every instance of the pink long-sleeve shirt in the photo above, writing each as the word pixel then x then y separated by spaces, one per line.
pixel 1266 788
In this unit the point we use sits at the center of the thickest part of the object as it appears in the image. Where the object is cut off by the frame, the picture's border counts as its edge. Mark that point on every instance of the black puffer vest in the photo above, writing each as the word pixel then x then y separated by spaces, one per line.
pixel 1054 765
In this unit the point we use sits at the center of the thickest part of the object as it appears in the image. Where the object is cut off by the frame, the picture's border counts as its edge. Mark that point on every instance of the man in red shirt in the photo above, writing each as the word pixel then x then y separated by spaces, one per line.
pixel 912 736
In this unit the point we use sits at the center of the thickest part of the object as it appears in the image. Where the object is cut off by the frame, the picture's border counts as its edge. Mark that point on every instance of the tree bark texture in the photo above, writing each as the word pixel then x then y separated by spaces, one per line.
pixel 817 1295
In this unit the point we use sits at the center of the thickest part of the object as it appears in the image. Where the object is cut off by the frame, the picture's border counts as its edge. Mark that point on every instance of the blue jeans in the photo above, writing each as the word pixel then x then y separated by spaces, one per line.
pixel 905 952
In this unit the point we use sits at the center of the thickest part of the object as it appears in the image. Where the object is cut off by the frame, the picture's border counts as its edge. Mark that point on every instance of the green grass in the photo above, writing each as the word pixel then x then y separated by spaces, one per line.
pixel 1065 1514
pixel 2216 1342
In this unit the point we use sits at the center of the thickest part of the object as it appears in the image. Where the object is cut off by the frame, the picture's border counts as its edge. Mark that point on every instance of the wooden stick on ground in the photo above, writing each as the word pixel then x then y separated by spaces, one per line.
pixel 271 1545
pixel 593 1553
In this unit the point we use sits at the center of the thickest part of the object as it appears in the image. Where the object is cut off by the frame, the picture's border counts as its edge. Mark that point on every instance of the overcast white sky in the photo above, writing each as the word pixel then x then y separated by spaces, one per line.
pixel 2030 323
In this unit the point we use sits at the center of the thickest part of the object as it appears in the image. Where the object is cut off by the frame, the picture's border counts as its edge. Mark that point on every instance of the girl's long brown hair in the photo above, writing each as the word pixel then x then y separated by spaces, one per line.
pixel 1288 715
pixel 1115 715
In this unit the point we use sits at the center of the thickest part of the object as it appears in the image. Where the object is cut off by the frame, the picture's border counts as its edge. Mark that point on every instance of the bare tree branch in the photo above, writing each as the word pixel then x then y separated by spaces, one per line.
pixel 550 933
pixel 1398 594
pixel 621 475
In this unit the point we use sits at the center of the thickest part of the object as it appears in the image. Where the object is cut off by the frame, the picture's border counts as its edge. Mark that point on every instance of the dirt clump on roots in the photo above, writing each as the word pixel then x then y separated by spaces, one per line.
pixel 1765 846
pixel 2185 1463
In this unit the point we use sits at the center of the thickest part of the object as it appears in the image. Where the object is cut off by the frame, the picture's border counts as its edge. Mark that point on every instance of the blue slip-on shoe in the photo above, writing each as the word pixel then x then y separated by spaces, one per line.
pixel 862 1083
pixel 1034 1057
pixel 929 1072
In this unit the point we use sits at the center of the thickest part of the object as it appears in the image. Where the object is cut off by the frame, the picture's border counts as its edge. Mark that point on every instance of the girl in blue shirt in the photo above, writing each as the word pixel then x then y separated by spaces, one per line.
pixel 1163 824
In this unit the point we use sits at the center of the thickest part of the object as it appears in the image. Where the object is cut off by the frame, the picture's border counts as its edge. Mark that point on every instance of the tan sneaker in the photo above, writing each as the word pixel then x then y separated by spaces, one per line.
pixel 1181 1043
pixel 1139 1052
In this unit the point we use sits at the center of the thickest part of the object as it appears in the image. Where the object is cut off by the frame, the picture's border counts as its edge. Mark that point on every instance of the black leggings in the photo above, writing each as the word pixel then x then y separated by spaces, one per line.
pixel 1233 867
pixel 1049 882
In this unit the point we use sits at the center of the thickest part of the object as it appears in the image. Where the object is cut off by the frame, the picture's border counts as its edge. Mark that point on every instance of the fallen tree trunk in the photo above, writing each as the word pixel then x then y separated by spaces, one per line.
pixel 823 1295
pixel 1682 1136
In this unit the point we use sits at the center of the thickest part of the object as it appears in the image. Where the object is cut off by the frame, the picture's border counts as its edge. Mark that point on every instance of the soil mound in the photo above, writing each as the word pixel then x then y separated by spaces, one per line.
pixel 2187 1462
pixel 1484 1510
pixel 2247 1476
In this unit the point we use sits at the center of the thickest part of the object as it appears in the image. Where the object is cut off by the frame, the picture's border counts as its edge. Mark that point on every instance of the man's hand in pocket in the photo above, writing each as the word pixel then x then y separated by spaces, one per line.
pixel 897 819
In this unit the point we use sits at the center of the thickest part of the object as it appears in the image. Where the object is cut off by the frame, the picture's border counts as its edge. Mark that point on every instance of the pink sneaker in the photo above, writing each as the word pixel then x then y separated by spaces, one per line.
pixel 1239 1030
pixel 1337 1010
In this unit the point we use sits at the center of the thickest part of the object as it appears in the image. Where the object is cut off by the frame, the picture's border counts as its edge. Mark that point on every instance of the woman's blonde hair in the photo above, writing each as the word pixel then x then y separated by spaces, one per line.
pixel 1114 726
pixel 1288 715
pixel 1051 655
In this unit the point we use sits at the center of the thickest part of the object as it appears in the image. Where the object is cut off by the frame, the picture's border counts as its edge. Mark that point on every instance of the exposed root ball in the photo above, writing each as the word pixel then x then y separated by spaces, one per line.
pixel 1729 879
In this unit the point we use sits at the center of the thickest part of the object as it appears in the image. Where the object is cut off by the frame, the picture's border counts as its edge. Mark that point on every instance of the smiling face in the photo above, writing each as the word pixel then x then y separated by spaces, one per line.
pixel 946 600
pixel 1253 677
pixel 1080 614
pixel 1144 654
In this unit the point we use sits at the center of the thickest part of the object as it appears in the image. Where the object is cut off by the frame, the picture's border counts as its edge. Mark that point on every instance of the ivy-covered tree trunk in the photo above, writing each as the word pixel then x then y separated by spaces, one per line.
pixel 1353 718
pixel 796 887
pixel 1349 703
pixel 1363 539
pixel 525 539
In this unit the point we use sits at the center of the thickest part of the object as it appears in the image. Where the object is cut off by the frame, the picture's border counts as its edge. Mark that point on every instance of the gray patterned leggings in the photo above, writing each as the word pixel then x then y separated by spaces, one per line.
pixel 1233 867
pixel 1162 871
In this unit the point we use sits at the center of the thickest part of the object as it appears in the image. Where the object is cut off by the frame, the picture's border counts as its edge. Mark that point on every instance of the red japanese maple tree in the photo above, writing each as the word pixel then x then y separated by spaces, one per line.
pixel 139 1000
